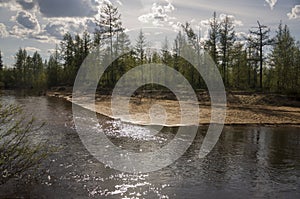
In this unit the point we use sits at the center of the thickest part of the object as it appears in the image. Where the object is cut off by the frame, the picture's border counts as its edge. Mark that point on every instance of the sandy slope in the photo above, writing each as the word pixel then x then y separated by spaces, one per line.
pixel 241 110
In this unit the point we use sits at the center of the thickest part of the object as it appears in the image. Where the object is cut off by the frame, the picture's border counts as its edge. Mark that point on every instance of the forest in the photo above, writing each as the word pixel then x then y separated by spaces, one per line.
pixel 258 62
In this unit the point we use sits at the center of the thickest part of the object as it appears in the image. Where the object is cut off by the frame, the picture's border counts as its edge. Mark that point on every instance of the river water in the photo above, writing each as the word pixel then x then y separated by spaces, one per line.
pixel 247 162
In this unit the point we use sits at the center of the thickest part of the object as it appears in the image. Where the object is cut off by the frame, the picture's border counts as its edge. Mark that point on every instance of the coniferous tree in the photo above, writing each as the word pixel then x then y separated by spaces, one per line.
pixel 283 60
pixel 122 47
pixel 1 62
pixel 123 43
pixel 227 39
pixel 260 39
pixel 109 25
pixel 239 67
pixel 1 70
pixel 212 43
pixel 87 44
pixel 53 70
pixel 252 62
pixel 194 41
pixel 38 71
pixel 20 65
pixel 179 43
pixel 166 57
pixel 297 69
pixel 67 56
pixel 140 49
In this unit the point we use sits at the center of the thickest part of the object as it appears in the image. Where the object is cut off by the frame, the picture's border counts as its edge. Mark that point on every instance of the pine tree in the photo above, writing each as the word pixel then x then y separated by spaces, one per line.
pixel 1 70
pixel 260 39
pixel 1 62
pixel 20 65
pixel 78 52
pixel 53 70
pixel 227 39
pixel 109 24
pixel 239 67
pixel 67 53
pixel 38 71
pixel 140 49
pixel 212 42
pixel 166 56
pixel 123 43
pixel 87 44
pixel 122 47
pixel 297 69
pixel 179 42
pixel 283 60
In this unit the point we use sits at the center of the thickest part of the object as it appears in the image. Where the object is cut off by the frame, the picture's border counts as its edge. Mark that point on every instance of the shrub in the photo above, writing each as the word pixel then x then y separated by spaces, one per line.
pixel 17 152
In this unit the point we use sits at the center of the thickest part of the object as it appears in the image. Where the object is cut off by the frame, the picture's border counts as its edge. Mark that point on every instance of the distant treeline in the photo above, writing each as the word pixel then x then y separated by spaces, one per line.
pixel 256 62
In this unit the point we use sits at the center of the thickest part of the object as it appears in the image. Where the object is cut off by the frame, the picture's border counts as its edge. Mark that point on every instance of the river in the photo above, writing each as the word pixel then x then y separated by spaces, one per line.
pixel 247 162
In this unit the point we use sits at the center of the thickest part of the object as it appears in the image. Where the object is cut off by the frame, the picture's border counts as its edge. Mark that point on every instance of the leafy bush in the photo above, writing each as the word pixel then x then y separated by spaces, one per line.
pixel 17 152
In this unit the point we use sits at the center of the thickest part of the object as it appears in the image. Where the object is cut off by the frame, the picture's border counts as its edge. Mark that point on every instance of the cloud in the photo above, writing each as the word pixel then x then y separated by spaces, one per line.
pixel 32 49
pixel 204 25
pixel 68 8
pixel 169 7
pixel 21 32
pixel 59 17
pixel 295 13
pixel 55 8
pixel 240 37
pixel 10 5
pixel 90 25
pixel 177 26
pixel 27 27
pixel 159 14
pixel 3 31
pixel 119 2
pixel 25 33
pixel 58 27
pixel 27 20
pixel 271 3
pixel 206 22
pixel 55 29
pixel 232 18
pixel 26 4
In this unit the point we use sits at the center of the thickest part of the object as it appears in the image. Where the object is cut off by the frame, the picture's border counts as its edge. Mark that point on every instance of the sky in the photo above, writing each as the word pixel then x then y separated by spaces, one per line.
pixel 37 25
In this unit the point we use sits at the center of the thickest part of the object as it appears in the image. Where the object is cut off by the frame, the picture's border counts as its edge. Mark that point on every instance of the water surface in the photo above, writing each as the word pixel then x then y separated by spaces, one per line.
pixel 247 162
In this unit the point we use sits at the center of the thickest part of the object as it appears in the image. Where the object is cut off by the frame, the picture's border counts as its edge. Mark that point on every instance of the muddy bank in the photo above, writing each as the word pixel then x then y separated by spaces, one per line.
pixel 242 108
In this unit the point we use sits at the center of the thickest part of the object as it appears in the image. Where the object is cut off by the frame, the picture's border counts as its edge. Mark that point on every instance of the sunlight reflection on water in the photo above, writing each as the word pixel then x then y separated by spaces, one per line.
pixel 252 162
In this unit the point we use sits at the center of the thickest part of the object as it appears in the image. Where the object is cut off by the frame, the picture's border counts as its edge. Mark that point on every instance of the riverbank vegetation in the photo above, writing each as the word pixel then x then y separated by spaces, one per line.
pixel 257 62
pixel 18 153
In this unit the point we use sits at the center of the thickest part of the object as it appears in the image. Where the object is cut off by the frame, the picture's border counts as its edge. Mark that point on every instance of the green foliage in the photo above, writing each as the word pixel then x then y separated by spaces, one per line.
pixel 2 85
pixel 239 73
pixel 244 64
pixel 227 39
pixel 1 62
pixel 17 151
pixel 109 25
pixel 284 60
pixel 28 72
pixel 211 43
pixel 257 41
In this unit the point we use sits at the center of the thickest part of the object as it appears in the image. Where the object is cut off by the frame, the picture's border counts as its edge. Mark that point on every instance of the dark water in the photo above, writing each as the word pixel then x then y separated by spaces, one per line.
pixel 247 162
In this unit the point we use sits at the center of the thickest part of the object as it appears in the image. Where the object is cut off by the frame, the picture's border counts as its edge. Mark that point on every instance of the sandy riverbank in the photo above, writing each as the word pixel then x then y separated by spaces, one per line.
pixel 242 109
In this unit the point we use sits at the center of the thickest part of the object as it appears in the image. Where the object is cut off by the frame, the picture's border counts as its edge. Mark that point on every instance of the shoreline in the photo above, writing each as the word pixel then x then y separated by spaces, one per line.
pixel 237 114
